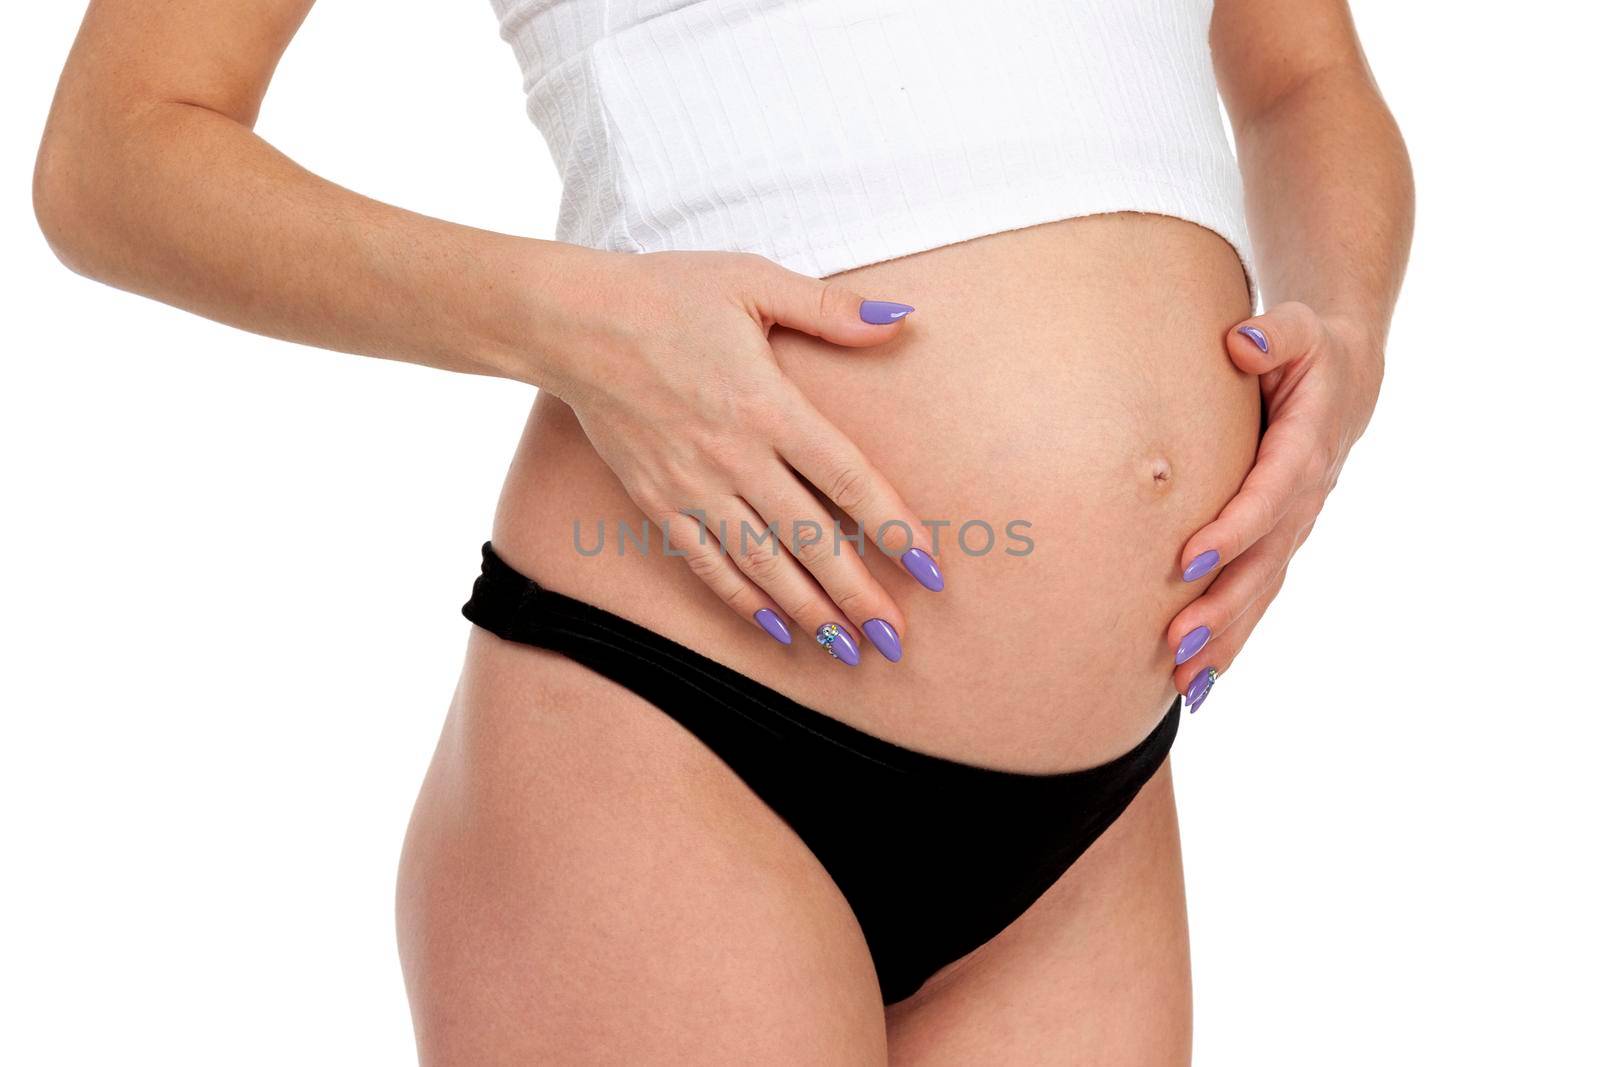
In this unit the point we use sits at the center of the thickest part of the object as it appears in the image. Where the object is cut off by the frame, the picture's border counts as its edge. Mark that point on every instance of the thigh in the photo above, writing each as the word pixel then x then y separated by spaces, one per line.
pixel 583 882
pixel 1096 972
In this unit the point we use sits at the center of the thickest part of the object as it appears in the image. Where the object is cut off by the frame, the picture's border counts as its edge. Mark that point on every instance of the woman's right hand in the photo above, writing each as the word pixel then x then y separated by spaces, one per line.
pixel 663 355
pixel 670 373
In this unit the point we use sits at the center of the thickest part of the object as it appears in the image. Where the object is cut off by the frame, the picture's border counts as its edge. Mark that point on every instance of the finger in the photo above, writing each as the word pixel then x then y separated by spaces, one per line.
pixel 827 459
pixel 754 547
pixel 813 538
pixel 1207 631
pixel 1234 590
pixel 1195 679
pixel 1279 334
pixel 830 310
pixel 1273 486
pixel 687 538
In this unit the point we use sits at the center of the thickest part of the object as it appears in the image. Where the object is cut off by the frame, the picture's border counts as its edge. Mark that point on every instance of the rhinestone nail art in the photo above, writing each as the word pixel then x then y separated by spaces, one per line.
pixel 1200 688
pixel 839 643
pixel 827 636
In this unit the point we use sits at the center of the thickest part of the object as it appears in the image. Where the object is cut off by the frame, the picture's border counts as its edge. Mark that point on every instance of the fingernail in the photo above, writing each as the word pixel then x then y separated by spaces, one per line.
pixel 1257 338
pixel 1201 565
pixel 838 643
pixel 883 638
pixel 1193 642
pixel 883 312
pixel 922 568
pixel 1200 687
pixel 773 625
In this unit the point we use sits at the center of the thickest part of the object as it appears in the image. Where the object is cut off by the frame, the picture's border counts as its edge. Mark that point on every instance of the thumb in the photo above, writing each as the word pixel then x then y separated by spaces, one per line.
pixel 830 310
pixel 1269 340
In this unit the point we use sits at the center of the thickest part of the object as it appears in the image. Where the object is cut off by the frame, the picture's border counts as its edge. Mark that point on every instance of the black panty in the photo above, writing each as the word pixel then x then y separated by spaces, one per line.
pixel 935 856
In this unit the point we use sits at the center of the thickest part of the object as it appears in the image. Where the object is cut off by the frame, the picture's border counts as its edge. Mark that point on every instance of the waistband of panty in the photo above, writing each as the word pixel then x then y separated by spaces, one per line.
pixel 516 608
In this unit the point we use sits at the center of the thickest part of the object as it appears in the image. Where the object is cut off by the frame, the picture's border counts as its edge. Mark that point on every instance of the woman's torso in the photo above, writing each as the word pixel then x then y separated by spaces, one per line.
pixel 1071 376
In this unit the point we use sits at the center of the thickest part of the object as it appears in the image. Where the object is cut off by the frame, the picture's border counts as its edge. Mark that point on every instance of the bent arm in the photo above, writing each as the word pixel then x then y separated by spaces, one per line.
pixel 1329 194
pixel 1328 186
pixel 149 178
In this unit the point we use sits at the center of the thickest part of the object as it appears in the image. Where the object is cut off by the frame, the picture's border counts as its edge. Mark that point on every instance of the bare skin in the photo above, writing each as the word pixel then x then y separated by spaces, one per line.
pixel 1162 430
pixel 582 881
pixel 1082 389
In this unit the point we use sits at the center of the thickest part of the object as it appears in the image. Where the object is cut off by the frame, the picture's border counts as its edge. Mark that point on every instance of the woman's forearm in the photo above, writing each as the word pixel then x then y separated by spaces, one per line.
pixel 1330 199
pixel 182 203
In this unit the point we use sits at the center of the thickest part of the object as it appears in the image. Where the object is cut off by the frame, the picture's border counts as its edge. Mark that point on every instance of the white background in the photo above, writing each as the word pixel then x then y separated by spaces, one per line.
pixel 232 569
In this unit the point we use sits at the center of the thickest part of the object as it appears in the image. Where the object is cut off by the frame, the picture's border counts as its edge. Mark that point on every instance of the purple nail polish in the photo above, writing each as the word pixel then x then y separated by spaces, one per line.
pixel 1257 338
pixel 883 638
pixel 922 568
pixel 883 312
pixel 1201 565
pixel 838 643
pixel 773 625
pixel 1200 687
pixel 1193 642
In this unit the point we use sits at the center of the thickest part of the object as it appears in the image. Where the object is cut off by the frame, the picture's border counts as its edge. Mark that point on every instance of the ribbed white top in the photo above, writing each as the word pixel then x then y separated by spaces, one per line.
pixel 828 134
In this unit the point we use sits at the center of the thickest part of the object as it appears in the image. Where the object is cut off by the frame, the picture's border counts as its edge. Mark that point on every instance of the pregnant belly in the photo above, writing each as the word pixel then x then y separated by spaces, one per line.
pixel 1062 403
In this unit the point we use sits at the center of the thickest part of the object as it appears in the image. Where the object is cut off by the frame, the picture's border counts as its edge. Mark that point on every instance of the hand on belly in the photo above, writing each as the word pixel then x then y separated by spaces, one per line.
pixel 1062 412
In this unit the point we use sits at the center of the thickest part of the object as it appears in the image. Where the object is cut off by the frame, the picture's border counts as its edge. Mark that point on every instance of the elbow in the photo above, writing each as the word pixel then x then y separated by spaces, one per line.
pixel 73 197
pixel 59 202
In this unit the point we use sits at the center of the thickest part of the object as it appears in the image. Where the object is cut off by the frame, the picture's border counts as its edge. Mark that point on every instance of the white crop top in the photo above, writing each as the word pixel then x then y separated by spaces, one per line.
pixel 829 134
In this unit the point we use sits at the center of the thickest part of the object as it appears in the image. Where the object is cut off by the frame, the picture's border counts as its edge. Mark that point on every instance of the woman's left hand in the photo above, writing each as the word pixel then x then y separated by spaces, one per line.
pixel 1319 382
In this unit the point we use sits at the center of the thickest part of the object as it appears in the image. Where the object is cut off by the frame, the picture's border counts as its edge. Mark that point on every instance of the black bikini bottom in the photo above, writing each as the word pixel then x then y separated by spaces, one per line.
pixel 935 856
